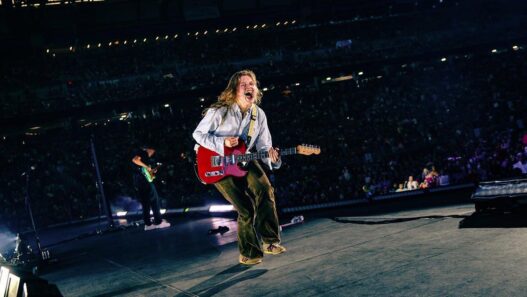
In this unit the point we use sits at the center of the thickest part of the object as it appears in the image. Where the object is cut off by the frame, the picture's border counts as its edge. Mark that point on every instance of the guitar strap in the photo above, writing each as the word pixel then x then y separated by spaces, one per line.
pixel 254 114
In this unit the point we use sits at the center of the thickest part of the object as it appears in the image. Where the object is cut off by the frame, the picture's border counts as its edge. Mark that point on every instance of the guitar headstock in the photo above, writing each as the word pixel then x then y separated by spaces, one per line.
pixel 308 149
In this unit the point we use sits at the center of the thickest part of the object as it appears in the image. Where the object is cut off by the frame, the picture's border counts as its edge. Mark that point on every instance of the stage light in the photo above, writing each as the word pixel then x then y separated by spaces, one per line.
pixel 297 84
pixel 286 22
pixel 217 30
pixel 144 40
pixel 201 99
pixel 221 208
pixel 157 37
pixel 175 36
pixel 443 59
pixel 163 211
pixel 247 27
pixel 294 21
pixel 166 105
pixel 494 50
pixel 361 73
pixel 98 45
pixel 88 46
pixel 328 78
pixel 278 24
pixel 47 51
pixel 121 213
pixel 264 89
pixel 264 25
pixel 166 37
pixel 234 29
pixel 71 48
pixel 110 43
pixel 205 33
pixel 255 26
pixel 135 40
pixel 196 34
pixel 125 42
pixel 515 47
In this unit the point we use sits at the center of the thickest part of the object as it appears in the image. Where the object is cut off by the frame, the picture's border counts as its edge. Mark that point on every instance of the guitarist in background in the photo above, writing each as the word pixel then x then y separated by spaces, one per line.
pixel 236 117
pixel 146 190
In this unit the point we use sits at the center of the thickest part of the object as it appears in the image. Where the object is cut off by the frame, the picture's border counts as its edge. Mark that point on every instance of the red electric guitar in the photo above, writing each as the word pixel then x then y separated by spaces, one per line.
pixel 211 167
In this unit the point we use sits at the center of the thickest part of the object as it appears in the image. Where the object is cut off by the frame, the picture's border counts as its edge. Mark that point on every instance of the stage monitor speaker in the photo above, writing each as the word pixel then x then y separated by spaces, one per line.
pixel 500 195
pixel 14 283
pixel 13 286
pixel 4 276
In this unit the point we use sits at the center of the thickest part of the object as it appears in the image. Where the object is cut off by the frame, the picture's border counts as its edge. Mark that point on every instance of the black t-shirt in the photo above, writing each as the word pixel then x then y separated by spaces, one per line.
pixel 144 158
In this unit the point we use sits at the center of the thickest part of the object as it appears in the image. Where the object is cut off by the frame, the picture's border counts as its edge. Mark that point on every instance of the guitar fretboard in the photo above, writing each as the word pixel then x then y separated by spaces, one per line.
pixel 257 156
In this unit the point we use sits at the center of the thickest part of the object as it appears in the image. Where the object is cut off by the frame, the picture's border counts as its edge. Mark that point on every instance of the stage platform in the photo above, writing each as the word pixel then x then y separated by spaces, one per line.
pixel 387 250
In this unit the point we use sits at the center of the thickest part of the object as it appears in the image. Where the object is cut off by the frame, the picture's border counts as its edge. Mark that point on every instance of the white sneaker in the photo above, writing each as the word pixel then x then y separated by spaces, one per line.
pixel 163 224
pixel 150 227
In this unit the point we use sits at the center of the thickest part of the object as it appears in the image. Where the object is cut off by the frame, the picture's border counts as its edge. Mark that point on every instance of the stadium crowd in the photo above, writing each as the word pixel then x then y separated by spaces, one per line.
pixel 383 125
pixel 461 119
pixel 63 79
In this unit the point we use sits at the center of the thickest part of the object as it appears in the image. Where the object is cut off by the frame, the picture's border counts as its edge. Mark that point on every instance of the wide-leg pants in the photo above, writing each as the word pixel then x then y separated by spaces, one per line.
pixel 253 198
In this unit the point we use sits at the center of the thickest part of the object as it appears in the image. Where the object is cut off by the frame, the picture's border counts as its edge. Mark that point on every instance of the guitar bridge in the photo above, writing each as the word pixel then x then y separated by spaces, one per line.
pixel 214 173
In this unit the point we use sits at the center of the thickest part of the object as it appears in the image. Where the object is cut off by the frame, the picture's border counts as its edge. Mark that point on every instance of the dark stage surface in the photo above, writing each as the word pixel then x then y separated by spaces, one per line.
pixel 391 252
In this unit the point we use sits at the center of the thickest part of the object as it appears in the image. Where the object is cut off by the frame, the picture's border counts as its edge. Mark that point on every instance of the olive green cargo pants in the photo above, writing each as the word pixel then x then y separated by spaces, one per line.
pixel 253 198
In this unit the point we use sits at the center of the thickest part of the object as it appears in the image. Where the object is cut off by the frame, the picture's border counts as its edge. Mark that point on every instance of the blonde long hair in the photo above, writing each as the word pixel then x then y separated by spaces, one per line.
pixel 228 96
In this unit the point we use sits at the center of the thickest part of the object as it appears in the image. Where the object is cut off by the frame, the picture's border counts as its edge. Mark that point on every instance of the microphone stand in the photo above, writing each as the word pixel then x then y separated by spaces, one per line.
pixel 23 255
pixel 100 187
pixel 28 205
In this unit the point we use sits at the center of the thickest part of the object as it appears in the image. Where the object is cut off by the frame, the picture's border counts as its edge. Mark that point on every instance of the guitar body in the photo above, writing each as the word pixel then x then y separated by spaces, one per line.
pixel 150 176
pixel 210 172
pixel 211 167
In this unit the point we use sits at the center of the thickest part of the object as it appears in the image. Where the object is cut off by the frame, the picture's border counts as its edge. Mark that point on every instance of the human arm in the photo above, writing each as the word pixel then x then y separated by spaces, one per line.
pixel 264 142
pixel 203 132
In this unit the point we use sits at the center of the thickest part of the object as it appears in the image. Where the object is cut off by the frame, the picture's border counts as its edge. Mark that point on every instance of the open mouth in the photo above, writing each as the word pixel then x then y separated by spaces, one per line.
pixel 249 95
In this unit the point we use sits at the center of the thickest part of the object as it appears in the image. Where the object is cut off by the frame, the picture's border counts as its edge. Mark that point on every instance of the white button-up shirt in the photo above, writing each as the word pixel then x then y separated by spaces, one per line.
pixel 214 128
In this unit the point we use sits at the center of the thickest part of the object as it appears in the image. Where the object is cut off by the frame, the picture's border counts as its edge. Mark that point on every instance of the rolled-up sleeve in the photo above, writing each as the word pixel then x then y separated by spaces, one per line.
pixel 204 132
pixel 264 140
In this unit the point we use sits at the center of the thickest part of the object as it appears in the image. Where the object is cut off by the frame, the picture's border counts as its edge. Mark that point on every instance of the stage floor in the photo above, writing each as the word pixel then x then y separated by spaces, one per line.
pixel 394 252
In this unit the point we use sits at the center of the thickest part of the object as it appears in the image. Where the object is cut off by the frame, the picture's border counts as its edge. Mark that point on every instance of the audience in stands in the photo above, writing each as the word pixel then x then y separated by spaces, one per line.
pixel 462 117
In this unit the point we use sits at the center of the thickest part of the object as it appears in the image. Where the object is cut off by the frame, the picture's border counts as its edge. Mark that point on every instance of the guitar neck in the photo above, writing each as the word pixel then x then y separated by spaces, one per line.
pixel 264 154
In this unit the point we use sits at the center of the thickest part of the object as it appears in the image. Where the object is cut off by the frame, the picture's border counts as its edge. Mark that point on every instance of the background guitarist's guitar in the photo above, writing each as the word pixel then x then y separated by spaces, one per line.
pixel 150 175
pixel 211 167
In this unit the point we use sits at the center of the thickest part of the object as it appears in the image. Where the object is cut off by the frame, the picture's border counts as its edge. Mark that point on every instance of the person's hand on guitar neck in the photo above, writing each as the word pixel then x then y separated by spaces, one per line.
pixel 274 154
pixel 231 141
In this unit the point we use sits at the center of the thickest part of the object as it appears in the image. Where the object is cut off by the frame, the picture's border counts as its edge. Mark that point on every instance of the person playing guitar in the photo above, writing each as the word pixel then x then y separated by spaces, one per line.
pixel 145 188
pixel 233 119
